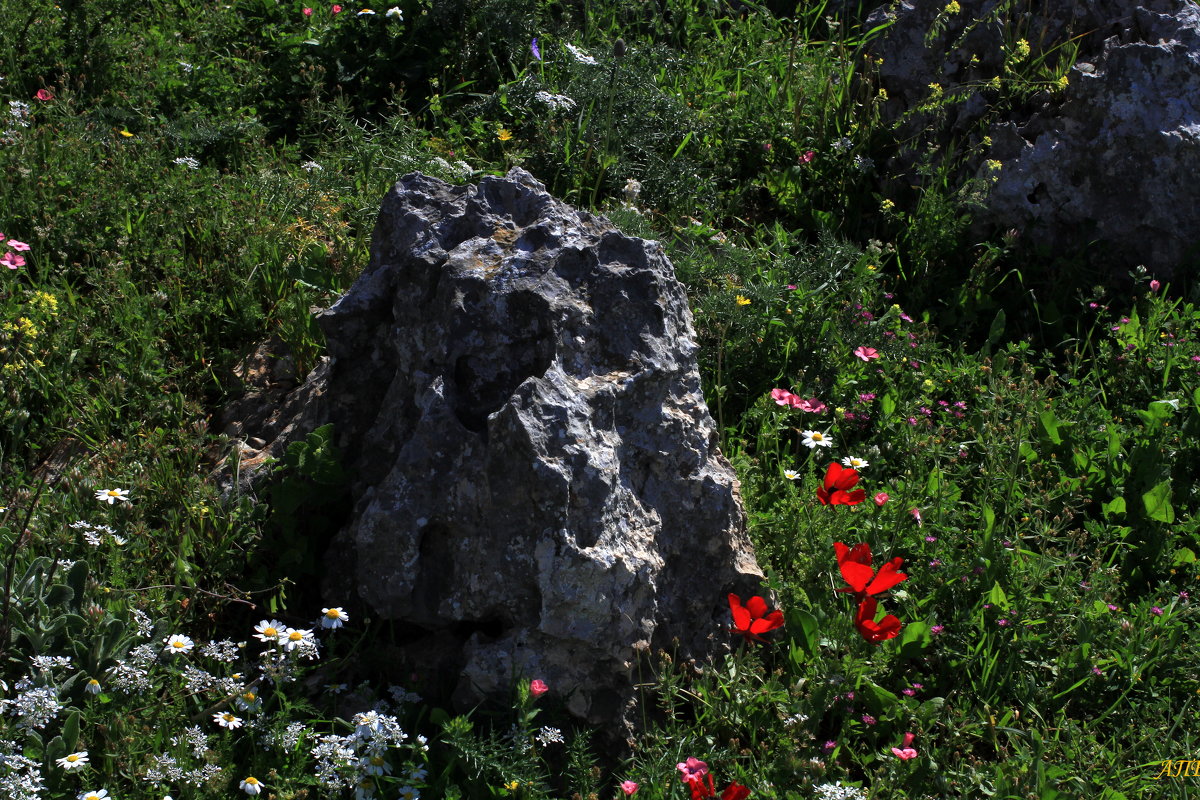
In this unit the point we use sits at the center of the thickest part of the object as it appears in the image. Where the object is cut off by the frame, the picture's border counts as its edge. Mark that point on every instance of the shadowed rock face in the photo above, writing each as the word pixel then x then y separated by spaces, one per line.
pixel 537 487
pixel 1110 159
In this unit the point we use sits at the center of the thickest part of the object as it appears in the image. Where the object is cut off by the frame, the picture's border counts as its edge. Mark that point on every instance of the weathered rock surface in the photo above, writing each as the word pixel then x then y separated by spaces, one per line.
pixel 537 486
pixel 1111 159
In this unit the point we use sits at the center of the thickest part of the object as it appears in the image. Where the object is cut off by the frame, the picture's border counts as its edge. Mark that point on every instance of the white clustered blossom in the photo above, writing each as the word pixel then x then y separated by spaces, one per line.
pixel 145 627
pixel 835 791
pixel 548 736
pixel 580 55
pixel 164 770
pixel 224 650
pixel 19 112
pixel 311 166
pixel 128 678
pixel 349 762
pixel 187 161
pixel 795 719
pixel 555 102
pixel 197 680
pixel 287 739
pixel 33 707
pixel 201 775
pixel 400 696
pixel 48 663
pixel 20 777
pixel 195 738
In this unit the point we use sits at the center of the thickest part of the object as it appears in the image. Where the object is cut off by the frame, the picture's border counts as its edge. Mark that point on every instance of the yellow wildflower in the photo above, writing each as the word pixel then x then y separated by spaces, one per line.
pixel 935 90
pixel 993 165
pixel 44 302
pixel 883 94
pixel 504 134
pixel 743 301
pixel 1022 50
pixel 125 133
pixel 952 7
pixel 22 327
pixel 1063 81
pixel 887 206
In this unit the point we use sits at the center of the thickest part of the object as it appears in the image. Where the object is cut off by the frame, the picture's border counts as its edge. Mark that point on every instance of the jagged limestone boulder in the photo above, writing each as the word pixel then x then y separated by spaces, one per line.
pixel 537 489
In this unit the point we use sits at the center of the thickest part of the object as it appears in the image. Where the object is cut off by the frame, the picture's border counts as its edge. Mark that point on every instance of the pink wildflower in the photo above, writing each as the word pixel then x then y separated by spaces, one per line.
pixel 1155 286
pixel 866 353
pixel 306 12
pixel 813 406
pixel 12 260
pixel 905 751
pixel 15 245
pixel 692 770
pixel 783 397
pixel 42 94
pixel 881 498
pixel 538 687
pixel 629 787
pixel 337 9
pixel 916 512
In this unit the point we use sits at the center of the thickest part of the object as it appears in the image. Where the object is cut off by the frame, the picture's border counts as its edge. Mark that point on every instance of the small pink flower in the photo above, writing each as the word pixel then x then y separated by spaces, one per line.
pixel 866 353
pixel 15 245
pixel 629 787
pixel 783 397
pixel 916 512
pixel 692 770
pixel 1156 611
pixel 337 9
pixel 306 12
pixel 881 498
pixel 42 94
pixel 813 406
pixel 12 260
pixel 807 157
pixel 905 751
pixel 1155 286
pixel 936 629
pixel 538 687
pixel 829 745
pixel 868 719
pixel 791 287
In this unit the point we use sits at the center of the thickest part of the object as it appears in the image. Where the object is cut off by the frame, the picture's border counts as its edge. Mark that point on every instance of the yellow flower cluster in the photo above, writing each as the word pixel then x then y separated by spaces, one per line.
pixel 952 7
pixel 23 327
pixel 44 302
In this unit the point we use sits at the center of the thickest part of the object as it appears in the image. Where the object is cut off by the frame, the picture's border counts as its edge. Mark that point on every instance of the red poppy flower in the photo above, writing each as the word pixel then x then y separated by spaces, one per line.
pixel 752 619
pixel 838 482
pixel 699 789
pixel 855 566
pixel 875 632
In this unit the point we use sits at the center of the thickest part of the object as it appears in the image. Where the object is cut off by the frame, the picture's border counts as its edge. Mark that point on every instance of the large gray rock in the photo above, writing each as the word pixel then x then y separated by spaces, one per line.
pixel 1110 160
pixel 537 486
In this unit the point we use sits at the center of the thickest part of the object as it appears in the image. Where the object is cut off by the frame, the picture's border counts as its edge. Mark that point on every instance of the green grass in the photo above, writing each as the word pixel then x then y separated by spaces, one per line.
pixel 205 175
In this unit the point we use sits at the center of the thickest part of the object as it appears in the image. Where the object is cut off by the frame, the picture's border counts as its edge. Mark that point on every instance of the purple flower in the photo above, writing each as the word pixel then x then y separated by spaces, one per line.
pixel 1111 607
pixel 829 745
pixel 1003 623
pixel 931 538
pixel 868 719
pixel 1156 611
pixel 908 692
pixel 936 629
pixel 1097 671
pixel 534 49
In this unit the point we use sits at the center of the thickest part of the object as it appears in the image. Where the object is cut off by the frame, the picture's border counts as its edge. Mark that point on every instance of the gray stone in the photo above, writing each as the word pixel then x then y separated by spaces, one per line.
pixel 537 488
pixel 1110 160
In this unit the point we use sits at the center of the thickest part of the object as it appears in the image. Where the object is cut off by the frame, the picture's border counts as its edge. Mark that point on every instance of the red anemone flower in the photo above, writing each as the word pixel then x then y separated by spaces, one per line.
pixel 855 566
pixel 735 791
pixel 875 632
pixel 752 619
pixel 838 482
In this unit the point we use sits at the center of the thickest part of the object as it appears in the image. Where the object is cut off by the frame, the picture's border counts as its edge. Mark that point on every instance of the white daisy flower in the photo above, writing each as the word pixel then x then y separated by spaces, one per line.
pixel 111 496
pixel 855 462
pixel 73 761
pixel 227 720
pixel 814 439
pixel 333 617
pixel 269 631
pixel 366 12
pixel 251 785
pixel 791 474
pixel 294 637
pixel 395 11
pixel 99 794
pixel 178 643
pixel 374 765
pixel 92 686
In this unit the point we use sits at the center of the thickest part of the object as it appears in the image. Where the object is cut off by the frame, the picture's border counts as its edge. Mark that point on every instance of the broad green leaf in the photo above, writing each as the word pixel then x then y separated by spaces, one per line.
pixel 1050 426
pixel 1114 506
pixel 997 597
pixel 803 626
pixel 989 521
pixel 1184 555
pixel 1158 502
pixel 888 404
pixel 914 639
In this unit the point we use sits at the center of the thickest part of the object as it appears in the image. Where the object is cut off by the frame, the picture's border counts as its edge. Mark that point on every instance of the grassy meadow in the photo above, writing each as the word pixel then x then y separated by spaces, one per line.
pixel 182 180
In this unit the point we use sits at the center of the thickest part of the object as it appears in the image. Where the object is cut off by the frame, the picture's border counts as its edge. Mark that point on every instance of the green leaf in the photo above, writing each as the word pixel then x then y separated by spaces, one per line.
pixel 1114 506
pixel 59 594
pixel 1157 502
pixel 1050 426
pixel 70 730
pixel 1184 555
pixel 989 522
pixel 888 404
pixel 997 597
pixel 804 628
pixel 996 331
pixel 915 638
